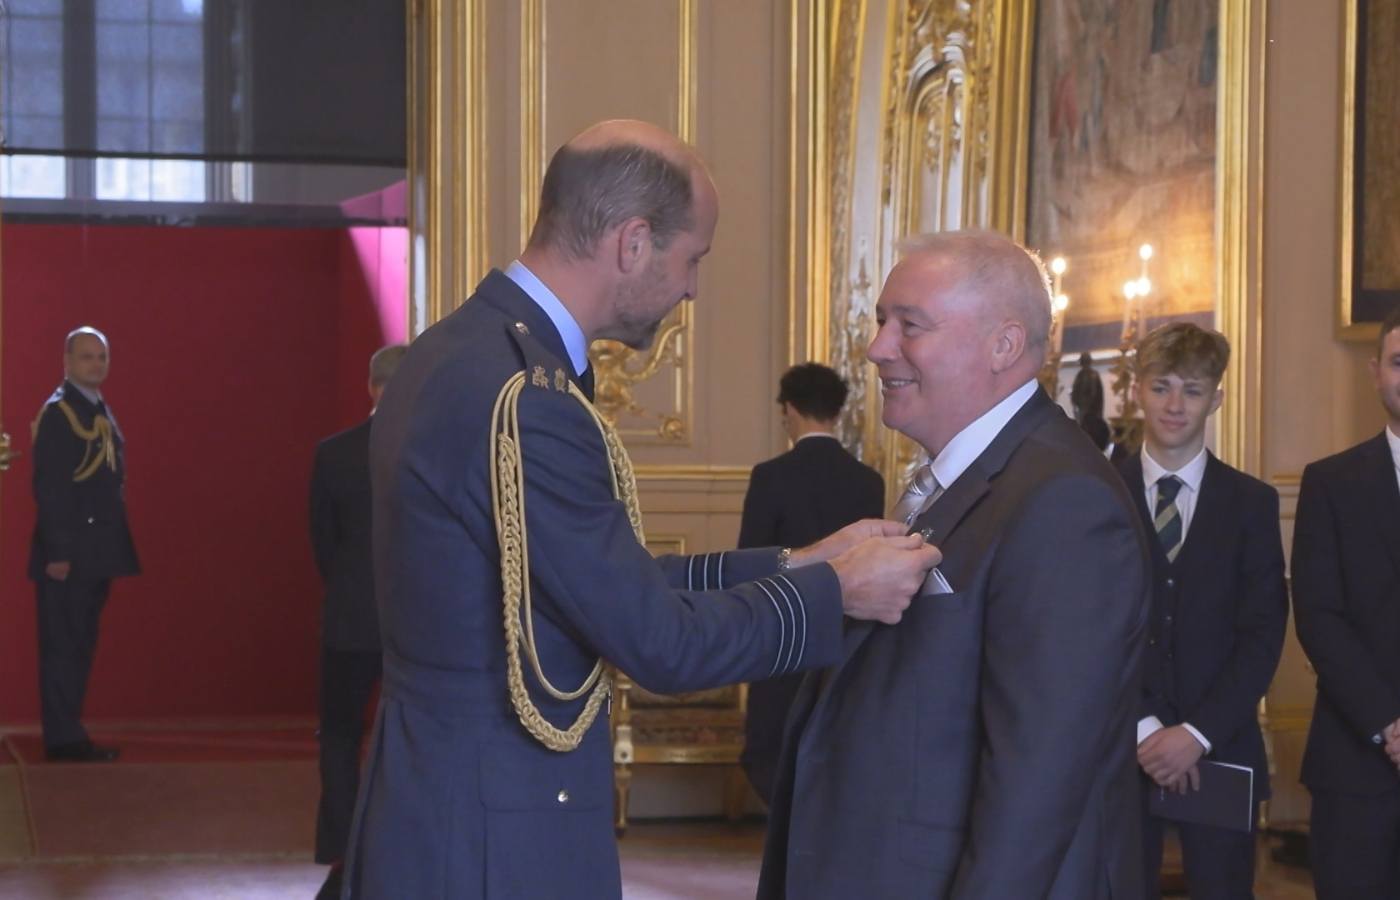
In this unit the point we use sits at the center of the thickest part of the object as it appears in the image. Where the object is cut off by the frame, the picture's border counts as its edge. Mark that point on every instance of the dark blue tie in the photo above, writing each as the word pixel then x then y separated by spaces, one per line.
pixel 585 381
pixel 1167 517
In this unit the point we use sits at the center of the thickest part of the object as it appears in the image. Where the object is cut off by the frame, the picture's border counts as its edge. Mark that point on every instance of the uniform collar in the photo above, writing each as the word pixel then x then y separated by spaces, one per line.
pixel 93 397
pixel 575 344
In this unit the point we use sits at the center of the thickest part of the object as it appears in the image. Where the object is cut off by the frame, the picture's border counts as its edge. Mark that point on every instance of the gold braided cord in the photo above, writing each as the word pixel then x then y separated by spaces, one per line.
pixel 105 453
pixel 508 506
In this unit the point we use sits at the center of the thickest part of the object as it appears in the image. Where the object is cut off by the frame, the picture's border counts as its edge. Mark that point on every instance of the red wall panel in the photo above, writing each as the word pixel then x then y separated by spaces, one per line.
pixel 232 355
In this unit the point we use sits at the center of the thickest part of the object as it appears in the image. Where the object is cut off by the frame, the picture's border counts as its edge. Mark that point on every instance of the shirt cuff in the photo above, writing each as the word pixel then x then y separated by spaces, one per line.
pixel 1197 735
pixel 1148 726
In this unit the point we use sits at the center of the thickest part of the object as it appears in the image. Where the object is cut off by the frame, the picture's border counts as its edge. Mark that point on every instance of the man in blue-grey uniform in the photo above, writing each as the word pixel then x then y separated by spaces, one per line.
pixel 507 565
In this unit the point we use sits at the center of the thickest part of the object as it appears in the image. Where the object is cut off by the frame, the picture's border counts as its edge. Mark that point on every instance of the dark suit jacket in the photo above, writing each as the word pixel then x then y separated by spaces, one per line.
pixel 458 800
pixel 340 537
pixel 80 522
pixel 984 747
pixel 793 500
pixel 1346 607
pixel 1218 615
pixel 807 493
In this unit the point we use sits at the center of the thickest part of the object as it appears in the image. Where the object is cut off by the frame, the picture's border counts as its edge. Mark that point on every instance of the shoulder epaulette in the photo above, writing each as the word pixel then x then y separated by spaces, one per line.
pixel 543 369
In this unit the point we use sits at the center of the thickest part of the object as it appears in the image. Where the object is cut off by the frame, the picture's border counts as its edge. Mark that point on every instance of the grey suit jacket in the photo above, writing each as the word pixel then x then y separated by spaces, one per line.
pixel 984 747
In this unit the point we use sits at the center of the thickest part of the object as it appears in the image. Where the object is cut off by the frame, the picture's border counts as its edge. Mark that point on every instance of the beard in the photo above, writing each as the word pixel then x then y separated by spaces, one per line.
pixel 638 313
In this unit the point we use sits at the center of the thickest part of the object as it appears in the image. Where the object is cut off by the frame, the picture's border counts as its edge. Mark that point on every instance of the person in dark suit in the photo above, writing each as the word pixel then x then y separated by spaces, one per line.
pixel 983 748
pixel 793 500
pixel 1220 603
pixel 504 506
pixel 81 539
pixel 1346 607
pixel 350 655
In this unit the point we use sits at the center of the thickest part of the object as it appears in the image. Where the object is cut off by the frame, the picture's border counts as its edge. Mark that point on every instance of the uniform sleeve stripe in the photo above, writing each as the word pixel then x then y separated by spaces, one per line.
pixel 792 646
pixel 802 608
pixel 690 574
pixel 705 573
pixel 782 626
pixel 721 571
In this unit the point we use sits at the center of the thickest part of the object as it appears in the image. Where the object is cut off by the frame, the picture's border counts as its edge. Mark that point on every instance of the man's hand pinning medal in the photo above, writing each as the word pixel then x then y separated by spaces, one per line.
pixel 880 567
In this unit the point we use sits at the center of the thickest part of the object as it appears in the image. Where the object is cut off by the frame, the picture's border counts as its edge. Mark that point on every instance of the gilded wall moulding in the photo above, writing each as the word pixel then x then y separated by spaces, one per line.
pixel 934 164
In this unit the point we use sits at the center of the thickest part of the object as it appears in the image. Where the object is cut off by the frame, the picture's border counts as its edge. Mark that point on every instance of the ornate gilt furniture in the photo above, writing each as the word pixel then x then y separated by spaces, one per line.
pixel 703 728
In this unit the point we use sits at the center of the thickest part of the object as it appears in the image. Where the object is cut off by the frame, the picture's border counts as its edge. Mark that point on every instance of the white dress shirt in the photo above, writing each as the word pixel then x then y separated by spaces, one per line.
pixel 1394 441
pixel 968 444
pixel 1190 476
pixel 574 341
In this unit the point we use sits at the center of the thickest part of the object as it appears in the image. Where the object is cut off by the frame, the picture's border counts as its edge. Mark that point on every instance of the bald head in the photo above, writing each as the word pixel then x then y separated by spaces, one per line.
pixel 614 172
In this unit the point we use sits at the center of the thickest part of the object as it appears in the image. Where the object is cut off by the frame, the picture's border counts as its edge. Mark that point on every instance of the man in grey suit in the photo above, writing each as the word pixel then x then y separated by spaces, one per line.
pixel 985 747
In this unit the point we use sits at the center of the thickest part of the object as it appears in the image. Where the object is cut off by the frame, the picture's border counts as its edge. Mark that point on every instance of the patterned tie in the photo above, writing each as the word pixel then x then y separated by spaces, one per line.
pixel 922 490
pixel 1167 517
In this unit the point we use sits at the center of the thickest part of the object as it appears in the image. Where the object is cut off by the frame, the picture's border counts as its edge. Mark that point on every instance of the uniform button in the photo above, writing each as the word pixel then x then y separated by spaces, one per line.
pixel 1171 582
pixel 91 520
pixel 520 327
pixel 1376 739
pixel 1169 620
pixel 563 796
pixel 1151 642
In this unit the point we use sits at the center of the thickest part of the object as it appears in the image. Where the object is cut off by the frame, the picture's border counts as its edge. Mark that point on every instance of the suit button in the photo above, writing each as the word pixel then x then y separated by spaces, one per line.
pixel 91 520
pixel 563 796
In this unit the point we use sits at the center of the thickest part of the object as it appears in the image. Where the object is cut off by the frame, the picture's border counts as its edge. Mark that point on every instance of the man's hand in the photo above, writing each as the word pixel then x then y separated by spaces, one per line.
pixel 1169 755
pixel 1392 742
pixel 834 545
pixel 58 571
pixel 880 575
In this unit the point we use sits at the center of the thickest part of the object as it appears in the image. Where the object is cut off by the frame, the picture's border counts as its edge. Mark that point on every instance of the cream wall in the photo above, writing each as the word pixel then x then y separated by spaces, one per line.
pixel 1316 393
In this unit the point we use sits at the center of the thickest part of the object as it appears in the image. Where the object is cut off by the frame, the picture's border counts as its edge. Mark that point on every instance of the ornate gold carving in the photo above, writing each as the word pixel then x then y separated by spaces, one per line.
pixel 953 109
pixel 618 369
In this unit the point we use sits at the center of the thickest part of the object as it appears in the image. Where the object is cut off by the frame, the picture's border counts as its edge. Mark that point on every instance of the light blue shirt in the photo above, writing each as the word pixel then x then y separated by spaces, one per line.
pixel 574 341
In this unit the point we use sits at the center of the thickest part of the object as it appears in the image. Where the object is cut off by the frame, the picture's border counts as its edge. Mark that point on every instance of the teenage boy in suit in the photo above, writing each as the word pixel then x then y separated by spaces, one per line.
pixel 1219 603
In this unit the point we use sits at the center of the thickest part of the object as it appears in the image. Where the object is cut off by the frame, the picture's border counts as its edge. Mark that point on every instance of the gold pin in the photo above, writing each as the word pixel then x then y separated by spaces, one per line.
pixel 520 327
pixel 539 378
pixel 561 381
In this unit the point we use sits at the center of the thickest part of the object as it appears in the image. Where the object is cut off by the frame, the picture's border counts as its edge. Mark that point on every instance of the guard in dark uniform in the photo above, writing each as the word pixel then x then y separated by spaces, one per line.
pixel 508 563
pixel 350 654
pixel 81 539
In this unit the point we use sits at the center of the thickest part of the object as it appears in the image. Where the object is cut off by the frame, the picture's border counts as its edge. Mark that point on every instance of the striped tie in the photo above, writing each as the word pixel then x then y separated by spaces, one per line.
pixel 922 487
pixel 1167 517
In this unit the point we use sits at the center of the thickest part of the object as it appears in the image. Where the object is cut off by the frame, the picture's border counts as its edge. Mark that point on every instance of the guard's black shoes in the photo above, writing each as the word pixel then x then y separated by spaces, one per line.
pixel 81 751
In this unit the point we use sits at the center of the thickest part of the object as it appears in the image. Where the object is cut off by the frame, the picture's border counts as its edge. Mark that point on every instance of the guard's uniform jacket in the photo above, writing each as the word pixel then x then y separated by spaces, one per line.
pixel 458 799
pixel 78 491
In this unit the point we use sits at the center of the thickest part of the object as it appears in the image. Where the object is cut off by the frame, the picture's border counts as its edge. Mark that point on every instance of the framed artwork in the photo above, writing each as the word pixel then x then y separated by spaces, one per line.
pixel 1369 257
pixel 1122 154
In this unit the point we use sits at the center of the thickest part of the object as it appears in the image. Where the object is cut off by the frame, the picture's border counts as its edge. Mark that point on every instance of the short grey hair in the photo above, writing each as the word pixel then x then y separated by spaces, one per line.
pixel 588 192
pixel 76 333
pixel 999 270
pixel 384 362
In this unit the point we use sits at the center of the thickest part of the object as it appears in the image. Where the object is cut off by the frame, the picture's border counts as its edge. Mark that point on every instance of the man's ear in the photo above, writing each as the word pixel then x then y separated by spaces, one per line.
pixel 1008 346
pixel 633 245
